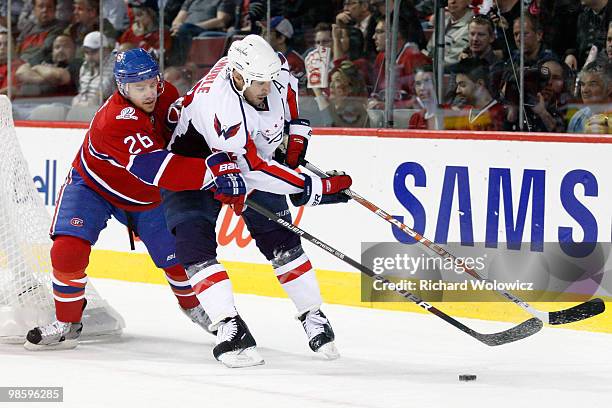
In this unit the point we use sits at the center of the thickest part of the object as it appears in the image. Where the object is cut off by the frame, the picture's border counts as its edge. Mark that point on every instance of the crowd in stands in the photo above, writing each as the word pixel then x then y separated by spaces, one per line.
pixel 336 48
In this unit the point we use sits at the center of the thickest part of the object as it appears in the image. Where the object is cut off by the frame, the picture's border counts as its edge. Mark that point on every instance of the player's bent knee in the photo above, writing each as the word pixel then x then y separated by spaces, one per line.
pixel 70 254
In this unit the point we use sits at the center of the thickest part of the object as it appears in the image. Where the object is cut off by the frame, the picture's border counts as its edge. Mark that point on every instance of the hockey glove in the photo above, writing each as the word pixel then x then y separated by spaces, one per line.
pixel 230 186
pixel 326 190
pixel 299 134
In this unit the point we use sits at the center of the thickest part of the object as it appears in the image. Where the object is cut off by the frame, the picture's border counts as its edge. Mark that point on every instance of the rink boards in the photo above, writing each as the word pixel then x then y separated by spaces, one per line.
pixel 562 185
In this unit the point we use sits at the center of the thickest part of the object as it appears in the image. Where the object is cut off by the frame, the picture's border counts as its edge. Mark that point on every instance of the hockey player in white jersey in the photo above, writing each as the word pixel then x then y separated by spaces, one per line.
pixel 235 117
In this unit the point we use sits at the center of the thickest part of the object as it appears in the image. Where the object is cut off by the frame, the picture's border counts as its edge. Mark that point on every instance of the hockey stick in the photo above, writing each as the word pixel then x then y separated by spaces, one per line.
pixel 525 329
pixel 576 313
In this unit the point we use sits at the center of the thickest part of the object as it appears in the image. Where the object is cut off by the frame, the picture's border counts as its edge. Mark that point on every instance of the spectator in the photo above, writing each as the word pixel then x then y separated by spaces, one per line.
pixel 593 23
pixel 357 13
pixel 35 41
pixel 503 16
pixel 280 37
pixel 86 20
pixel 144 31
pixel 544 107
pixel 481 36
pixel 347 45
pixel 480 111
pixel 4 38
pixel 407 60
pixel 115 11
pixel 608 53
pixel 425 98
pixel 199 17
pixel 345 106
pixel 534 48
pixel 456 31
pixel 409 13
pixel 54 77
pixel 89 73
pixel 322 37
pixel 595 89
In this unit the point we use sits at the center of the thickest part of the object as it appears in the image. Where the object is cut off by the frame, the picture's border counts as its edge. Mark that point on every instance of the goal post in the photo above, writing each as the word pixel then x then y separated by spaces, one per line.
pixel 26 297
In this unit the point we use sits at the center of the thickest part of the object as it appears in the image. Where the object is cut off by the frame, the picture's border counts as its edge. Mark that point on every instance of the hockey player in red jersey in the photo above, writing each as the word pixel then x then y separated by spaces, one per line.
pixel 118 172
pixel 235 117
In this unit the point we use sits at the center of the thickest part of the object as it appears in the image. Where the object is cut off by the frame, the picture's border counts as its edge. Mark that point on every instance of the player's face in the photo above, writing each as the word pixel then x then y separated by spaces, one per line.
pixel 143 94
pixel 257 92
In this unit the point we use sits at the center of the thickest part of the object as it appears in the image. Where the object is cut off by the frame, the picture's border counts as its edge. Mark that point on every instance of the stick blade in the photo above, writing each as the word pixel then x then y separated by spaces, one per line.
pixel 519 332
pixel 579 312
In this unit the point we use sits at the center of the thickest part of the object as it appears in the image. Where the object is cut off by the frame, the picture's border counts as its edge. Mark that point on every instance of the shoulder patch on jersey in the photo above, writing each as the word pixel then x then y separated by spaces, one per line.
pixel 127 113
pixel 226 132
pixel 281 57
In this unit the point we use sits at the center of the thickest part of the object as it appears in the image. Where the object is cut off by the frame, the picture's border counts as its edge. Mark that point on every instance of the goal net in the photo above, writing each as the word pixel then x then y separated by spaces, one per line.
pixel 26 298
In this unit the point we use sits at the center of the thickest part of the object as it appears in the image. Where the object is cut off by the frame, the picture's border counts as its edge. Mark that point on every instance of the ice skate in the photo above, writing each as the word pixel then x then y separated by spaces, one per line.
pixel 320 334
pixel 236 346
pixel 199 317
pixel 54 336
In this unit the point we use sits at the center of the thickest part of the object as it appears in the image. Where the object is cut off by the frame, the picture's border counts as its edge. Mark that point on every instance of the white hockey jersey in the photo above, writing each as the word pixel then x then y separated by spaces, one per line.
pixel 214 117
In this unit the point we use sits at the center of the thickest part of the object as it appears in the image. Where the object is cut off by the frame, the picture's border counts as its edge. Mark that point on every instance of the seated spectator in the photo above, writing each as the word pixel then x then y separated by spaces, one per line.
pixel 57 76
pixel 407 60
pixel 425 98
pixel 86 20
pixel 545 90
pixel 593 23
pixel 4 38
pixel 479 110
pixel 481 36
pixel 456 31
pixel 89 74
pixel 408 13
pixel 280 38
pixel 607 53
pixel 322 37
pixel 345 106
pixel 347 45
pixel 144 31
pixel 199 17
pixel 356 13
pixel 596 90
pixel 535 49
pixel 36 39
pixel 115 11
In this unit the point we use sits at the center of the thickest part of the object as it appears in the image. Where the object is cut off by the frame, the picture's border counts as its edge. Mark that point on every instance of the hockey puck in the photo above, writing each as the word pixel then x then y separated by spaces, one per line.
pixel 467 377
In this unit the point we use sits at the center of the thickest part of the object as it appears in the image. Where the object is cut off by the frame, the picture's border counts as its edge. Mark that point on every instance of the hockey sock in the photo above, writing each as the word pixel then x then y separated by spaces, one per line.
pixel 179 282
pixel 213 288
pixel 295 274
pixel 69 257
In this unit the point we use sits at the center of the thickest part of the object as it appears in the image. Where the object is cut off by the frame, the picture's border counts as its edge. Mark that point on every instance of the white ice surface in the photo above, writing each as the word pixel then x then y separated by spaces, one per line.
pixel 389 359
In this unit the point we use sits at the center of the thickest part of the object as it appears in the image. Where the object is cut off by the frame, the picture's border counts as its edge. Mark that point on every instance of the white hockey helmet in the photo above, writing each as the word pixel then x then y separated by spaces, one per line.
pixel 254 59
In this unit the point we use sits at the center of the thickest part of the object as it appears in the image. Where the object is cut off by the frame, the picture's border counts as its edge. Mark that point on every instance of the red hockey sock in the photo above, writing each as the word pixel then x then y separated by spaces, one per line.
pixel 69 257
pixel 179 282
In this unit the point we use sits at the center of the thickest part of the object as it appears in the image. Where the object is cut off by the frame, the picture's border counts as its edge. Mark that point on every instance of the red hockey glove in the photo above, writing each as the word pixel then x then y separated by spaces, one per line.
pixel 299 134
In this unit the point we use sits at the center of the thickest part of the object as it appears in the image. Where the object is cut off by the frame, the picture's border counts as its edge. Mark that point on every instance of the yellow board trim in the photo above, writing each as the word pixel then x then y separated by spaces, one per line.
pixel 336 287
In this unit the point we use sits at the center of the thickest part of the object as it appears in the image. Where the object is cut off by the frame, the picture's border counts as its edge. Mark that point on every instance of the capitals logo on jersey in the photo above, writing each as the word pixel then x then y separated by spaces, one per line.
pixel 226 132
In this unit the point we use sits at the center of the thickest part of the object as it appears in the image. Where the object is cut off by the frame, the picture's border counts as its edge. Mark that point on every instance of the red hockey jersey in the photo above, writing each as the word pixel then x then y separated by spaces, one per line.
pixel 124 156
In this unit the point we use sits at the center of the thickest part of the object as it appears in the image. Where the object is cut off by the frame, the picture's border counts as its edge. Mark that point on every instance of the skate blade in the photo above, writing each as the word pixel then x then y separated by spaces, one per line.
pixel 241 358
pixel 64 345
pixel 329 351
